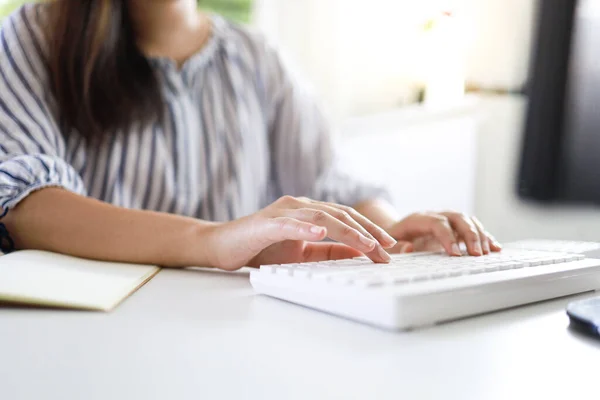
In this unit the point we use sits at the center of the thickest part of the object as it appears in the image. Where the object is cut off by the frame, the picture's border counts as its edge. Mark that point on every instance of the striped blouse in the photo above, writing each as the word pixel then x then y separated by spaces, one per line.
pixel 237 132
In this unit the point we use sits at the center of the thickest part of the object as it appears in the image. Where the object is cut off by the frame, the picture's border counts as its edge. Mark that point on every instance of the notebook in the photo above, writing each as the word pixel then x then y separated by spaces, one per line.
pixel 47 279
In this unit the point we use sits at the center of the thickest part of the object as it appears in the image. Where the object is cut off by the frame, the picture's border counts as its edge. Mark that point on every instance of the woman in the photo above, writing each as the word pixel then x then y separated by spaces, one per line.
pixel 147 132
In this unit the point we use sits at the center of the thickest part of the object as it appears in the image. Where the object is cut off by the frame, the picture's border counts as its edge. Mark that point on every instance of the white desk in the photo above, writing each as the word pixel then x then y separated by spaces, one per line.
pixel 205 335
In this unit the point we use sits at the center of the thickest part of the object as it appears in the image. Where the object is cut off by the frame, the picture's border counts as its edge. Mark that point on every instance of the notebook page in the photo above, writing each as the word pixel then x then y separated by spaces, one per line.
pixel 49 279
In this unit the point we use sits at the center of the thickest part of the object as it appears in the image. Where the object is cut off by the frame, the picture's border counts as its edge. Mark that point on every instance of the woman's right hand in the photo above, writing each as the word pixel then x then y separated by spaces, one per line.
pixel 288 230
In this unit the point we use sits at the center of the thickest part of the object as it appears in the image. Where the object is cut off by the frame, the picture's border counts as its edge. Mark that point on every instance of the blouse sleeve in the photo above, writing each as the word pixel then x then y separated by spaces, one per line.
pixel 303 145
pixel 32 150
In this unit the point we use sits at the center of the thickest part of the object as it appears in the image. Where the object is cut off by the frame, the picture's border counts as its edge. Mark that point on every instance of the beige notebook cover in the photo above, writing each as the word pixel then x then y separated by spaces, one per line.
pixel 48 279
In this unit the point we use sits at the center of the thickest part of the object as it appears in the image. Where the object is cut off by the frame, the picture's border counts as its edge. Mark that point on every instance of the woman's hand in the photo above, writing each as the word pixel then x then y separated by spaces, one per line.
pixel 432 231
pixel 286 232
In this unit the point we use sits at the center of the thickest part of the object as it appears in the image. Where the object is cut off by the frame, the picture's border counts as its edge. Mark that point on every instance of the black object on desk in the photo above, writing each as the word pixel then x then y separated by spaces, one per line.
pixel 585 316
pixel 6 243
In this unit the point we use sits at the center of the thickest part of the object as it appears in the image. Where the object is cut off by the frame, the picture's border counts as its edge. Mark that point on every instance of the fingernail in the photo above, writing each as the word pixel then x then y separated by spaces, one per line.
pixel 390 241
pixel 486 247
pixel 477 248
pixel 405 248
pixel 456 250
pixel 367 242
pixel 494 241
pixel 317 230
pixel 384 254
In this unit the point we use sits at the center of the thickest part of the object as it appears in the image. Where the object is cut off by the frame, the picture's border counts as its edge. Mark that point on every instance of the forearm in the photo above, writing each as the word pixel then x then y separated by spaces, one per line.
pixel 379 212
pixel 59 221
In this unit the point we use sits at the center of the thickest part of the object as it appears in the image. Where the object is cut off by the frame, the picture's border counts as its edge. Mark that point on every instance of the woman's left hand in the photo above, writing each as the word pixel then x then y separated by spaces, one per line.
pixel 430 231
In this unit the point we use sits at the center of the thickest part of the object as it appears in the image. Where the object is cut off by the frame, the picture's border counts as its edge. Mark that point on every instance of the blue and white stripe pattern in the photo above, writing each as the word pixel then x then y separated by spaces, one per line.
pixel 237 133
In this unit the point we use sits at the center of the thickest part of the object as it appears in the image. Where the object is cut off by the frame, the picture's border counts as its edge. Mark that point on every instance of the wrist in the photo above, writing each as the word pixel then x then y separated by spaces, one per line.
pixel 206 244
pixel 194 246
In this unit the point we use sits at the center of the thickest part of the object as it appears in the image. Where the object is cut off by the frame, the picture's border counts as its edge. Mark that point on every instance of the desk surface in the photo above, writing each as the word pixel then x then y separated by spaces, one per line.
pixel 205 335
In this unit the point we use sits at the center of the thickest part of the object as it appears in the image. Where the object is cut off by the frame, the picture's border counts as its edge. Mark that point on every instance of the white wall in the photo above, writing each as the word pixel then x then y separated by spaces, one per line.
pixel 363 56
pixel 357 54
pixel 500 51
pixel 497 204
pixel 427 160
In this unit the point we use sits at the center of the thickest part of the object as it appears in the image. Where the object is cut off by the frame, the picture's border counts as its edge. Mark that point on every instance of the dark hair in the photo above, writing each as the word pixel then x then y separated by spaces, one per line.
pixel 101 80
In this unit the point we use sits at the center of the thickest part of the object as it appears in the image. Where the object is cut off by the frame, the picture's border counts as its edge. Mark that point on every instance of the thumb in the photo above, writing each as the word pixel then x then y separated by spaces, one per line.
pixel 328 251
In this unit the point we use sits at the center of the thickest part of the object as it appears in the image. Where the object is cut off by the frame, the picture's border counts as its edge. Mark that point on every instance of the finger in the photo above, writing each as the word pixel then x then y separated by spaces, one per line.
pixel 485 242
pixel 376 231
pixel 493 243
pixel 377 254
pixel 342 216
pixel 419 225
pixel 304 203
pixel 467 231
pixel 341 232
pixel 328 251
pixel 361 223
pixel 283 228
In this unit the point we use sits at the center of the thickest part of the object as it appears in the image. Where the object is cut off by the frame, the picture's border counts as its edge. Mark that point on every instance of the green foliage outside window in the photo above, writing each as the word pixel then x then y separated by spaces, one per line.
pixel 237 10
pixel 8 6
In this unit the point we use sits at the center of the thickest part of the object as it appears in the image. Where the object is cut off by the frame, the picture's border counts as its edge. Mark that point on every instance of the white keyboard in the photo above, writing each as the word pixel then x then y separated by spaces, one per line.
pixel 589 249
pixel 426 288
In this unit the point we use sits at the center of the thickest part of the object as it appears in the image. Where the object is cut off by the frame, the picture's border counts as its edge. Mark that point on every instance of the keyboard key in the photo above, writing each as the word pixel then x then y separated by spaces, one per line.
pixel 396 280
pixel 507 265
pixel 270 269
pixel 369 282
pixel 439 274
pixel 491 268
pixel 302 273
pixel 341 279
pixel 284 270
pixel 475 270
